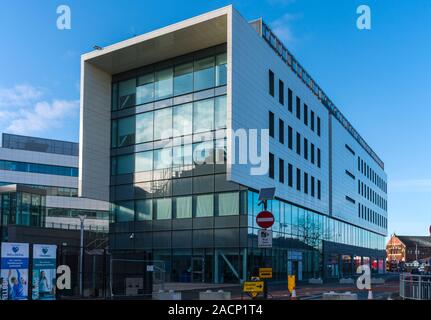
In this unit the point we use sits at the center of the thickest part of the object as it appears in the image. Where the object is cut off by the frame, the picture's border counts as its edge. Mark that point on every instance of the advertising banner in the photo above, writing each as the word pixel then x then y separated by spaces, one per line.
pixel 44 272
pixel 14 271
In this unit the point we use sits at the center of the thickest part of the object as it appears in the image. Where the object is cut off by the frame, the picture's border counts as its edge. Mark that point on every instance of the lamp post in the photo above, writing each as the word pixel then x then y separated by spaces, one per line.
pixel 81 255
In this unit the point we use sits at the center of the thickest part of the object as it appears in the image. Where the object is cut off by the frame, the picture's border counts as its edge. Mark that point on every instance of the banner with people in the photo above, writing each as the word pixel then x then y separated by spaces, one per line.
pixel 44 272
pixel 14 271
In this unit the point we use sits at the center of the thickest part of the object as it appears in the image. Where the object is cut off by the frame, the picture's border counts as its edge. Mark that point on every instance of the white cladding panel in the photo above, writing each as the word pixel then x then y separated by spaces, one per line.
pixel 251 102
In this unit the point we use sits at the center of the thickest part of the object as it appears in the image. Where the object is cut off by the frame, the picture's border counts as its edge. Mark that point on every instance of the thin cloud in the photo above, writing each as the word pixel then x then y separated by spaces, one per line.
pixel 24 111
pixel 282 27
pixel 410 185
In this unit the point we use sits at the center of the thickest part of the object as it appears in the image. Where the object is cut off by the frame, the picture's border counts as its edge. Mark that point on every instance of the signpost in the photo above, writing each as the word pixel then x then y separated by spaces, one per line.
pixel 265 219
pixel 253 287
pixel 265 273
pixel 264 239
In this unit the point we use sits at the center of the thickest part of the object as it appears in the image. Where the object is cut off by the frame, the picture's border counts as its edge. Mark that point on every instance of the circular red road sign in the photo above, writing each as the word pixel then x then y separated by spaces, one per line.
pixel 265 219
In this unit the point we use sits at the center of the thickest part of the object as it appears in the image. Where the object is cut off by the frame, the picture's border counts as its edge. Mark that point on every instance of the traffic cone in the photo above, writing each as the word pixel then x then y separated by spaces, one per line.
pixel 370 295
pixel 293 295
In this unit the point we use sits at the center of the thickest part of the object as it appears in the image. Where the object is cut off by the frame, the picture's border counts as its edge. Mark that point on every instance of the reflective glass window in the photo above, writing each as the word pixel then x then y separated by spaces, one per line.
pixel 125 164
pixel 183 119
pixel 144 161
pixel 203 116
pixel 221 69
pixel 144 127
pixel 204 205
pixel 126 131
pixel 162 158
pixel 228 203
pixel 204 74
pixel 163 124
pixel 163 85
pixel 144 209
pixel 183 78
pixel 183 207
pixel 220 112
pixel 163 209
pixel 125 211
pixel 127 93
pixel 145 89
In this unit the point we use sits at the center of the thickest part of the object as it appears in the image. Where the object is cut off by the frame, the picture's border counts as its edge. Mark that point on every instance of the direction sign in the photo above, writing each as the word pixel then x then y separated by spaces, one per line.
pixel 265 273
pixel 265 219
pixel 253 286
pixel 264 238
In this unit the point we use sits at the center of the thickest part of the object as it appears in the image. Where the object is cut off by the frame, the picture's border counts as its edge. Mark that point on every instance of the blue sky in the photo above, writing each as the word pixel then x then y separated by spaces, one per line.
pixel 379 78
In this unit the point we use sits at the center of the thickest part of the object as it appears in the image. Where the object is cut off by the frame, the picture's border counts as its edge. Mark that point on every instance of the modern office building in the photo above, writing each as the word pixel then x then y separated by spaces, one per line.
pixel 162 118
pixel 51 166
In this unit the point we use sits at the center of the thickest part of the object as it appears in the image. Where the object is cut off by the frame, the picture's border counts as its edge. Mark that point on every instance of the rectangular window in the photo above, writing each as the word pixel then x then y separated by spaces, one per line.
pixel 163 124
pixel 271 124
pixel 290 175
pixel 228 204
pixel 203 74
pixel 312 186
pixel 305 149
pixel 312 153
pixel 318 126
pixel 298 107
pixel 290 100
pixel 183 78
pixel 126 132
pixel 350 149
pixel 163 209
pixel 125 164
pixel 144 209
pixel 318 189
pixel 271 82
pixel 221 69
pixel 183 207
pixel 281 91
pixel 318 157
pixel 204 206
pixel 183 119
pixel 281 131
pixel 164 85
pixel 305 183
pixel 350 200
pixel 125 211
pixel 220 114
pixel 298 179
pixel 271 165
pixel 127 93
pixel 145 89
pixel 298 143
pixel 290 137
pixel 162 158
pixel 144 161
pixel 144 127
pixel 312 120
pixel 281 170
pixel 203 115
pixel 350 174
pixel 305 114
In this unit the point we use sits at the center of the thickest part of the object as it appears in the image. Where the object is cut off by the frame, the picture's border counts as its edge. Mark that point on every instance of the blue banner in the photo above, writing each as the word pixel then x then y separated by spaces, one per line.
pixel 14 271
pixel 44 272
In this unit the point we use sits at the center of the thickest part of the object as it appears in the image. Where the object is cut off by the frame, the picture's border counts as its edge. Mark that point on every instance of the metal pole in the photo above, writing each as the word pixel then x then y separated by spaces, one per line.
pixel 81 256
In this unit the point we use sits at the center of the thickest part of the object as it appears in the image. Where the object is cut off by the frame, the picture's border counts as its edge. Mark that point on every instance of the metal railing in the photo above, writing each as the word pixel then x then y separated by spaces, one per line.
pixel 415 286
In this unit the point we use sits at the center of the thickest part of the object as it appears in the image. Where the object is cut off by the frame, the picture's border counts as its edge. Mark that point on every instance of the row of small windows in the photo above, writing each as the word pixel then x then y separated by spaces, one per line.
pixel 50 190
pixel 372 216
pixel 310 151
pixel 193 75
pixel 371 195
pixel 38 168
pixel 367 171
pixel 183 207
pixel 197 117
pixel 308 116
pixel 308 183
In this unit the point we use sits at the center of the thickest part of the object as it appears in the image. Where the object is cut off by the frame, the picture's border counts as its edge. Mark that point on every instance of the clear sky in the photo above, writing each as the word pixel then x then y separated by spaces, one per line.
pixel 379 78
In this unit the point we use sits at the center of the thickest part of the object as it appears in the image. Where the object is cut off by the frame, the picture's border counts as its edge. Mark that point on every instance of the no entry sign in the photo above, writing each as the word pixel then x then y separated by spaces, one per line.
pixel 265 219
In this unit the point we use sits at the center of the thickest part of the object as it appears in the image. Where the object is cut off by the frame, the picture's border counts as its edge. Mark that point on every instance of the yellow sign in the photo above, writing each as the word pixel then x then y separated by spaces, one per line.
pixel 265 273
pixel 290 283
pixel 253 286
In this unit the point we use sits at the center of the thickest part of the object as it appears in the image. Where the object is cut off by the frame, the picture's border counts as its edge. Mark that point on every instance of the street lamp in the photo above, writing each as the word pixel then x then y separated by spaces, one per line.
pixel 81 255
